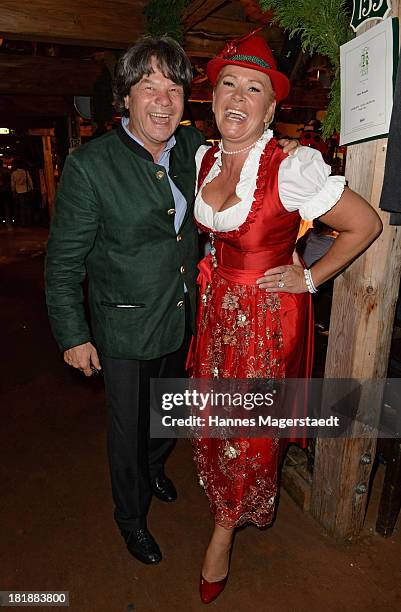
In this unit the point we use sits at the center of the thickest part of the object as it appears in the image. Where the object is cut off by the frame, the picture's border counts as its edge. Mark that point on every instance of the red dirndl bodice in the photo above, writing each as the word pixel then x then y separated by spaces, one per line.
pixel 245 332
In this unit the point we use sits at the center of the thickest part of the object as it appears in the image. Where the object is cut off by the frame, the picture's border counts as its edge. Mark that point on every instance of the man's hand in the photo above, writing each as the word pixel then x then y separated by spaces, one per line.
pixel 84 357
pixel 289 146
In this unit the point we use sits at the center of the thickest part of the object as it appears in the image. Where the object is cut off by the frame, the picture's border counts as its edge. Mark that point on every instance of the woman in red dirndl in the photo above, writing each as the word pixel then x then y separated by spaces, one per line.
pixel 254 315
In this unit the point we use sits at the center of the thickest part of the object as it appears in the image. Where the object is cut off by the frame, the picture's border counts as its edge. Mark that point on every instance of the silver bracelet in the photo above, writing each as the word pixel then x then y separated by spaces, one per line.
pixel 309 282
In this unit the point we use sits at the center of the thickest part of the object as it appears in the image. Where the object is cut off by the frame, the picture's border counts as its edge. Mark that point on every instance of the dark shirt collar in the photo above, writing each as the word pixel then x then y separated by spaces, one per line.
pixel 128 137
pixel 133 145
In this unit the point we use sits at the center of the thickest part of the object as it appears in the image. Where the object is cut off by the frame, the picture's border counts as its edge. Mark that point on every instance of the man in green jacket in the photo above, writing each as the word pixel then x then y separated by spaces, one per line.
pixel 124 219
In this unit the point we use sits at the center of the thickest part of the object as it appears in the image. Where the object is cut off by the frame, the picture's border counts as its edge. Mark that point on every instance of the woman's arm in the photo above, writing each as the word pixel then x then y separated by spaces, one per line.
pixel 358 226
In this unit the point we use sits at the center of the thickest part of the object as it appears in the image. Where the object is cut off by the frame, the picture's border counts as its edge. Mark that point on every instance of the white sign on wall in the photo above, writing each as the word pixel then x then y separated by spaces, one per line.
pixel 368 64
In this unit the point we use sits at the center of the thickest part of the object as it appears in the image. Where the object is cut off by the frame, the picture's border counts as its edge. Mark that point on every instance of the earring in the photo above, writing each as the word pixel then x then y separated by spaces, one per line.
pixel 267 124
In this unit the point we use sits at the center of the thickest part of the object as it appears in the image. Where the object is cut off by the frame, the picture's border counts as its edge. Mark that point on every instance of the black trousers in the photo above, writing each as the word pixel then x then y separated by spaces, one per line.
pixel 134 457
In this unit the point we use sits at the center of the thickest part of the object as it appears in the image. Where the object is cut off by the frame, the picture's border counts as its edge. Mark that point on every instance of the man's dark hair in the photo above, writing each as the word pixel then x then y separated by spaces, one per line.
pixel 137 62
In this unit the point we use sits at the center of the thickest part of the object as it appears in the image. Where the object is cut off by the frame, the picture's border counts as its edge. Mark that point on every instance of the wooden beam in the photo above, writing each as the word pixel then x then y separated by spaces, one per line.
pixel 35 75
pixel 361 325
pixel 198 46
pixel 41 132
pixel 115 24
pixel 235 28
pixel 197 10
pixel 225 28
pixel 20 110
pixel 296 478
pixel 209 37
pixel 49 173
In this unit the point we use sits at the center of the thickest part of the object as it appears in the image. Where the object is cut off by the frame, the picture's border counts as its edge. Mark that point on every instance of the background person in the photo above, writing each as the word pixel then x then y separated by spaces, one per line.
pixel 315 243
pixel 22 189
pixel 6 200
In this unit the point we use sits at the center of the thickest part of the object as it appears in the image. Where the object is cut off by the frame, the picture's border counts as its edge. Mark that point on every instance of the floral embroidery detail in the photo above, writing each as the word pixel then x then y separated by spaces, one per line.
pixel 242 319
pixel 231 452
pixel 230 301
pixel 239 341
pixel 253 339
pixel 206 294
pixel 254 474
pixel 230 337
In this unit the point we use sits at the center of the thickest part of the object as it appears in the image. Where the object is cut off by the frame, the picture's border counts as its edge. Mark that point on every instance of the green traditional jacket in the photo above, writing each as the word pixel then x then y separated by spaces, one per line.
pixel 114 223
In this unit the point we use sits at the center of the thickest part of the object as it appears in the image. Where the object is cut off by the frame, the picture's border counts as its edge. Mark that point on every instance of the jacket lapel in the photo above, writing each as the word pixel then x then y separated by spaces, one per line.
pixel 182 182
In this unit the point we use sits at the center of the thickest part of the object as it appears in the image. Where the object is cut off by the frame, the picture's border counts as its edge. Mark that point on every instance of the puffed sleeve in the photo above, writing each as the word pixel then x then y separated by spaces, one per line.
pixel 198 160
pixel 305 184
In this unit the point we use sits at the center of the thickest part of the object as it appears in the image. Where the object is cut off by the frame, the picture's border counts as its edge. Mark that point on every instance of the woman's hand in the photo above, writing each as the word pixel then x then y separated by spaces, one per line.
pixel 289 146
pixel 287 279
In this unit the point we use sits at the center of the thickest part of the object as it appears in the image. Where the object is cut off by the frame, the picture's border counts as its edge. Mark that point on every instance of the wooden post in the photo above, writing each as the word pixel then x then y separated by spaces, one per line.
pixel 361 326
pixel 49 173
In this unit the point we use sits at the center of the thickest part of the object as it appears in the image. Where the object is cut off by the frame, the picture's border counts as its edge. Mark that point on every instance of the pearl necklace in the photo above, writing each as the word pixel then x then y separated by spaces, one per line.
pixel 239 150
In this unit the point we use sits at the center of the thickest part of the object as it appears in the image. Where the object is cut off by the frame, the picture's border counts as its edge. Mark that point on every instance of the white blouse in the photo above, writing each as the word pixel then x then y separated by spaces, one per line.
pixel 304 184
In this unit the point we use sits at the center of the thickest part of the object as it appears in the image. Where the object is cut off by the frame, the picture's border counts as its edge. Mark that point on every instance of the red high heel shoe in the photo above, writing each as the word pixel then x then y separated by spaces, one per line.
pixel 210 590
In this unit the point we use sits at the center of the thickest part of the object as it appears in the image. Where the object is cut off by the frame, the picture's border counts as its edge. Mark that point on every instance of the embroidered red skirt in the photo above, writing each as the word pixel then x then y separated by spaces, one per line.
pixel 245 332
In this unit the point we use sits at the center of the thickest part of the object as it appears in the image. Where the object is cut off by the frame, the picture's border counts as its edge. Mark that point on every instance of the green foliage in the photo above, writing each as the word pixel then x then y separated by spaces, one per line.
pixel 323 25
pixel 164 17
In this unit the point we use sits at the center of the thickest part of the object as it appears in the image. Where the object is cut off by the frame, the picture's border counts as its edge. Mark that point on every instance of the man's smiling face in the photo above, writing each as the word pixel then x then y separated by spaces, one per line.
pixel 155 105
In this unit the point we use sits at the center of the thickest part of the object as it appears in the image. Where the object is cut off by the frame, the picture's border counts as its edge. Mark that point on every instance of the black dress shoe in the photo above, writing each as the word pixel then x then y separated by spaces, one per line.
pixel 142 545
pixel 163 488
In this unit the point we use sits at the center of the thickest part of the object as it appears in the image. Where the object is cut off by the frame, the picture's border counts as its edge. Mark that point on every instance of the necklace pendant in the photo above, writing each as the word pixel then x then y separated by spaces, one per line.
pixel 212 250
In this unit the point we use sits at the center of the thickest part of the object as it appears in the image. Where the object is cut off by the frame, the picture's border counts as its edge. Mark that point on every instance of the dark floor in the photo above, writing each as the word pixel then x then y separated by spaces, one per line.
pixel 57 531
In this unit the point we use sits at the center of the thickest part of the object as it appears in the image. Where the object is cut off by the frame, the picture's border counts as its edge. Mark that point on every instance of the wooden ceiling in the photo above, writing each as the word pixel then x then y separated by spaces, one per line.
pixel 52 51
pixel 117 24
pixel 102 23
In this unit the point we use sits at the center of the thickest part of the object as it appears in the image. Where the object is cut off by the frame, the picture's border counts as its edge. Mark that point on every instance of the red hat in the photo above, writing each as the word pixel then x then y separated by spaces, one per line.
pixel 250 52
